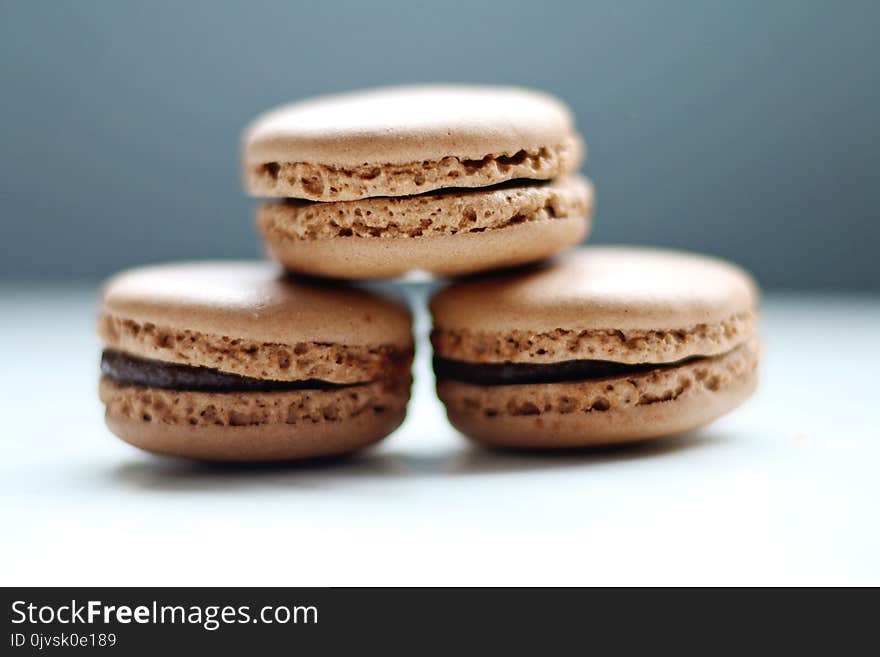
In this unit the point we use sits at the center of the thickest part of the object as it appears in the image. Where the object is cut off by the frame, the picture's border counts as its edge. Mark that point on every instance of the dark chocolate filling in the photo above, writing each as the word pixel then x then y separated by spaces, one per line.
pixel 131 370
pixel 500 374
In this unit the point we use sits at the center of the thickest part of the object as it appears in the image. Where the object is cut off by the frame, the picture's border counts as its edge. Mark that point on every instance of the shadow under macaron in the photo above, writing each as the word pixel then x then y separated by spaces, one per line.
pixel 158 473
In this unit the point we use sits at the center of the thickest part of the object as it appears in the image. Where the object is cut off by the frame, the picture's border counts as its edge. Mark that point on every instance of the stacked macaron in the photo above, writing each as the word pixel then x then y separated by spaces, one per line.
pixel 444 179
pixel 254 361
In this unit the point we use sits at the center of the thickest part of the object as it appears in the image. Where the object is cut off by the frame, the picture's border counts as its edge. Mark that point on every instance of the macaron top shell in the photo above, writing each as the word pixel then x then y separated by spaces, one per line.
pixel 399 125
pixel 255 301
pixel 601 288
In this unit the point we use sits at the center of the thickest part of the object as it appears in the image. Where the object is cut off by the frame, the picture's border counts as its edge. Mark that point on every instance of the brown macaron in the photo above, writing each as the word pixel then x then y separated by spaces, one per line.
pixel 449 180
pixel 605 345
pixel 234 361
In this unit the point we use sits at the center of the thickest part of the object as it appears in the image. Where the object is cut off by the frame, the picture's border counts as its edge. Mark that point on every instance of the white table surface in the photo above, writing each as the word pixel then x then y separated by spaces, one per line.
pixel 786 490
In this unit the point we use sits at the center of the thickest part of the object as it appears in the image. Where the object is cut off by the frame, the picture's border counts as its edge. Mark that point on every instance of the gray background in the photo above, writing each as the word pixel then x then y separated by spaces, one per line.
pixel 745 129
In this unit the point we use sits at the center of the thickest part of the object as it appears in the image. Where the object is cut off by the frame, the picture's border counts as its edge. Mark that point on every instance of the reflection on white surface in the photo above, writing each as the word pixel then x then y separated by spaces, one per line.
pixel 782 491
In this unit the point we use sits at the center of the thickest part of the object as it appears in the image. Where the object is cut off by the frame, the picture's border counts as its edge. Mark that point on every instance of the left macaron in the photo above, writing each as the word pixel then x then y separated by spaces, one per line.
pixel 234 361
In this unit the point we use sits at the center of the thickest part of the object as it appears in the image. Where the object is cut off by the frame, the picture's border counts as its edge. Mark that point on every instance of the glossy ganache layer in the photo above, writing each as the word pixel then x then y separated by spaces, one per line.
pixel 131 370
pixel 499 374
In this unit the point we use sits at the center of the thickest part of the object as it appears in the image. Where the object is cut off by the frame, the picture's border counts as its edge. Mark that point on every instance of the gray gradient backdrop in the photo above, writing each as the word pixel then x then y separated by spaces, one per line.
pixel 745 129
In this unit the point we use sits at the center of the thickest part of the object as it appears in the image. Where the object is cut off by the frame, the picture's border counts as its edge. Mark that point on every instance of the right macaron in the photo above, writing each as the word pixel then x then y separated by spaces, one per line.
pixel 604 345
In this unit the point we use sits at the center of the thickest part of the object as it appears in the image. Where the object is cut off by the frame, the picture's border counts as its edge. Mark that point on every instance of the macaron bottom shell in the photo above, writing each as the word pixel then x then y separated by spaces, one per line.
pixel 656 404
pixel 443 255
pixel 253 426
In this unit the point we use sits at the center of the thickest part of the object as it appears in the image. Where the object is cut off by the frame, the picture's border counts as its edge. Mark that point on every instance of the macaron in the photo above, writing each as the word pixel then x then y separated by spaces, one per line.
pixel 233 361
pixel 450 180
pixel 400 141
pixel 603 345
